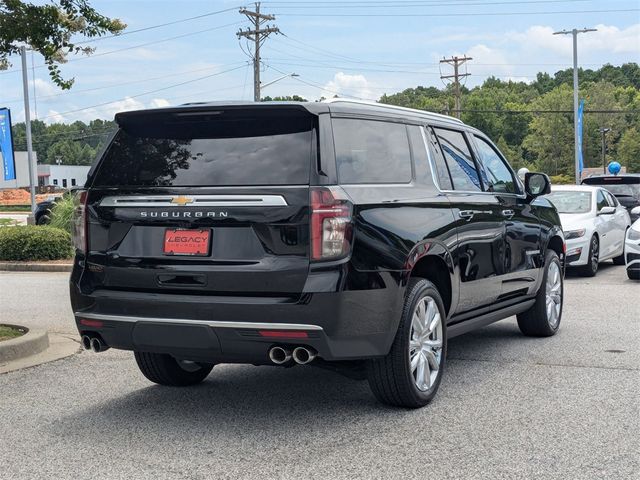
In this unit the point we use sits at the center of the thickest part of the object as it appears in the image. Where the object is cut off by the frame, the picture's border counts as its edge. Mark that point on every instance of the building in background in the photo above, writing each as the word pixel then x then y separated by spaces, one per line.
pixel 62 176
pixel 22 171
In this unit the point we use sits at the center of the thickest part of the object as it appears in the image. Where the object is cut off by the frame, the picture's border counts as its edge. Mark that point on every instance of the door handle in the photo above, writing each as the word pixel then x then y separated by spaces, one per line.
pixel 466 214
pixel 508 213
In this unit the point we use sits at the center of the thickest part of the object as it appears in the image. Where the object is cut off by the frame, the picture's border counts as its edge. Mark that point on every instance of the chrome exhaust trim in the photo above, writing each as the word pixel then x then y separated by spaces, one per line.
pixel 85 340
pixel 304 355
pixel 279 355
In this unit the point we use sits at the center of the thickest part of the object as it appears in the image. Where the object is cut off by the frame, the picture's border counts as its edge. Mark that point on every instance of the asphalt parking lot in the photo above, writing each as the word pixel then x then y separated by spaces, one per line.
pixel 509 407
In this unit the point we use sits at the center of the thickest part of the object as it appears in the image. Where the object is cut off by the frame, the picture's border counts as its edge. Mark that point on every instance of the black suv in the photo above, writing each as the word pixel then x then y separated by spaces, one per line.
pixel 352 236
pixel 625 187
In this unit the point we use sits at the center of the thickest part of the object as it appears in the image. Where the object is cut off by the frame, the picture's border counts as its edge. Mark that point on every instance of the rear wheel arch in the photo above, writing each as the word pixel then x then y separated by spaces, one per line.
pixel 435 269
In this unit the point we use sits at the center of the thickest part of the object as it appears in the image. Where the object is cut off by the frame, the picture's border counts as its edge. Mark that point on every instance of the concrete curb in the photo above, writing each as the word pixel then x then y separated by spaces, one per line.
pixel 60 346
pixel 31 343
pixel 35 267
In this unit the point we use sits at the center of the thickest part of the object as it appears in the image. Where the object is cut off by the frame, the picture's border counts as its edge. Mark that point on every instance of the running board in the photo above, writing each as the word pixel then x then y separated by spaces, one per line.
pixel 487 318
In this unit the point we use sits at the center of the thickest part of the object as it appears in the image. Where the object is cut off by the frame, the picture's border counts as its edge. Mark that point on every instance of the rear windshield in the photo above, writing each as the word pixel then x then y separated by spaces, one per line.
pixel 173 151
pixel 624 190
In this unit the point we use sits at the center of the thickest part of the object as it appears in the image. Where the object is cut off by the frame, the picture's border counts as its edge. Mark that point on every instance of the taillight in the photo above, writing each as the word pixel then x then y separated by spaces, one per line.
pixel 80 221
pixel 331 223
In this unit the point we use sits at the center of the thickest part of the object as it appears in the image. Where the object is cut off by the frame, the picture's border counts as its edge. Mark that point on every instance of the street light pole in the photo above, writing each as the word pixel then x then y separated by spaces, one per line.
pixel 604 132
pixel 263 86
pixel 575 33
pixel 27 121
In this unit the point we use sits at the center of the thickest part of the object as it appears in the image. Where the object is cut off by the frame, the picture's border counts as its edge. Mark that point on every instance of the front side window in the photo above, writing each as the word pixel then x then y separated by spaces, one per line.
pixel 457 154
pixel 602 202
pixel 499 176
pixel 369 151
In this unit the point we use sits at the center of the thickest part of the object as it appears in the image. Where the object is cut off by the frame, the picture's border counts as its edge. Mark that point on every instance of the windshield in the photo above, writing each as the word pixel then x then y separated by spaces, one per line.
pixel 571 202
pixel 624 190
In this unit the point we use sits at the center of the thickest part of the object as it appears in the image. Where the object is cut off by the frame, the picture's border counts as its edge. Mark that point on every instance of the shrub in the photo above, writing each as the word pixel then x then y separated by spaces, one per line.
pixel 62 213
pixel 33 242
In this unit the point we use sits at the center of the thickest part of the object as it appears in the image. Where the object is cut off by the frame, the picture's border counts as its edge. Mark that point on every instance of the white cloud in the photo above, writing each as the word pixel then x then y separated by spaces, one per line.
pixel 44 88
pixel 159 103
pixel 348 85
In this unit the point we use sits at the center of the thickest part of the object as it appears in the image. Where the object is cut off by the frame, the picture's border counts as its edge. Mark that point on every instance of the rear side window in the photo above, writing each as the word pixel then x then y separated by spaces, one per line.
pixel 369 151
pixel 442 171
pixel 457 154
pixel 227 151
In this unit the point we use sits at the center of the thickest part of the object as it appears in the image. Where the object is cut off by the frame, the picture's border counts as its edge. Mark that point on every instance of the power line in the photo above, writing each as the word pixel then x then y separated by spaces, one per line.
pixel 461 14
pixel 141 94
pixel 422 3
pixel 133 47
pixel 151 27
pixel 120 84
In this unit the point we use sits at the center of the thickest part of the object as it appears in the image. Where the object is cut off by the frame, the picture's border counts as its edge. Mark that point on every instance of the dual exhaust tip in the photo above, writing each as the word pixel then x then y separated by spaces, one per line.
pixel 300 355
pixel 93 343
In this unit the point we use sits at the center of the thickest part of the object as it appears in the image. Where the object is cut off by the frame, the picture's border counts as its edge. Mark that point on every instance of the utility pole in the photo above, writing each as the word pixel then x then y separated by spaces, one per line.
pixel 27 123
pixel 258 35
pixel 604 132
pixel 456 62
pixel 576 135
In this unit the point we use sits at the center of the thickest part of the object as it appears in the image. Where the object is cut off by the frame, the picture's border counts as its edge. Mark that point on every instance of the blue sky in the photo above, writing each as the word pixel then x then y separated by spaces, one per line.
pixel 334 47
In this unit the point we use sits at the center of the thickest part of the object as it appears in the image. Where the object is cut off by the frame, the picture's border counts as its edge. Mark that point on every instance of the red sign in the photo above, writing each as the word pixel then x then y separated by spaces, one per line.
pixel 186 242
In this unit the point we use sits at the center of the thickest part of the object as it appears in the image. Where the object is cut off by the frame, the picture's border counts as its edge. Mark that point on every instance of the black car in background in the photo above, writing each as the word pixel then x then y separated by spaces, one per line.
pixel 42 214
pixel 352 236
pixel 625 187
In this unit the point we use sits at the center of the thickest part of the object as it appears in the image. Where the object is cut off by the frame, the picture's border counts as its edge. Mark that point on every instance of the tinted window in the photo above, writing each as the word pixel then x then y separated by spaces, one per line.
pixel 193 152
pixel 602 202
pixel 442 171
pixel 459 160
pixel 371 151
pixel 499 176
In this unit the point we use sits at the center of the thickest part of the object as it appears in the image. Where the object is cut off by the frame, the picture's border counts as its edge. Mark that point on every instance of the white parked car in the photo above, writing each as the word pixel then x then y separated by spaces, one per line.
pixel 594 225
pixel 632 248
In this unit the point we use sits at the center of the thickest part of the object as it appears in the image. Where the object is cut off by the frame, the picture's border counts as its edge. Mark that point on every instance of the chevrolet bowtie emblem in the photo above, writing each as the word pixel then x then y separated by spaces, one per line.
pixel 181 200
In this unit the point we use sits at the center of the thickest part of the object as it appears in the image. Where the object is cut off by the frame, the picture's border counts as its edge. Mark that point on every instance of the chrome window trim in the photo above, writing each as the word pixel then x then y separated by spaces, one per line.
pixel 210 323
pixel 197 201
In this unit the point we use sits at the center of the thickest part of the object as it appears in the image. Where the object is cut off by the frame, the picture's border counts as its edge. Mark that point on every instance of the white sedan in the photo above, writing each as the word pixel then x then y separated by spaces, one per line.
pixel 632 248
pixel 594 225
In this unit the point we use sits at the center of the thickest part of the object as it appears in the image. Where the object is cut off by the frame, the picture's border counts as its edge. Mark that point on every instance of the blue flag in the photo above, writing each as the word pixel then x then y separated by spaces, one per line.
pixel 580 160
pixel 6 145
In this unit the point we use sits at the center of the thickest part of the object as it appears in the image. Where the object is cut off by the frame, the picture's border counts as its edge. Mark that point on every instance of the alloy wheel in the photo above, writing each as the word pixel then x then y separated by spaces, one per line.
pixel 594 254
pixel 425 345
pixel 554 294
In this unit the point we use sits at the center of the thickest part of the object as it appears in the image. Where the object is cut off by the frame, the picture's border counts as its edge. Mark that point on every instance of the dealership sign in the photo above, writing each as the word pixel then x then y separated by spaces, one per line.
pixel 6 145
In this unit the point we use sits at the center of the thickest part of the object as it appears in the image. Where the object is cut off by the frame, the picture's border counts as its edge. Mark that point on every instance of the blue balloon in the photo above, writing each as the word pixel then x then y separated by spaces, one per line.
pixel 614 168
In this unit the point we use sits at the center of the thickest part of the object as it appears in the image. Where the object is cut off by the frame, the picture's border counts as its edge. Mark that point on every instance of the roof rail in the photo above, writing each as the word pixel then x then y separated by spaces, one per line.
pixel 391 107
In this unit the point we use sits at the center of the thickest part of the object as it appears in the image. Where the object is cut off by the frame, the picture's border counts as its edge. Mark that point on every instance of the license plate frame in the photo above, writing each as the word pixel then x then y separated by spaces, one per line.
pixel 190 242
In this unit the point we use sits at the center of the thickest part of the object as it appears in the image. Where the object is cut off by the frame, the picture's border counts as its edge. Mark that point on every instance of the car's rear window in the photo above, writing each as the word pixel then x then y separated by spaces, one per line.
pixel 172 151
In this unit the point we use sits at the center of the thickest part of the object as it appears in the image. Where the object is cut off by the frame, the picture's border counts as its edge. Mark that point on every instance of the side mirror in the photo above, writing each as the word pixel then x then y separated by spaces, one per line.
pixel 536 184
pixel 607 211
pixel 635 211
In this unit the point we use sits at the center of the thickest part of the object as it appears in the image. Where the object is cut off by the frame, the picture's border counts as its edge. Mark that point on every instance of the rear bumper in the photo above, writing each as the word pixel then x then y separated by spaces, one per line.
pixel 340 325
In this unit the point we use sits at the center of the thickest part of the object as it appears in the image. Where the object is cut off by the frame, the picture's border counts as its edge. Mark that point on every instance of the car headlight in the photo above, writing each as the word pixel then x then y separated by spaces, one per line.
pixel 574 234
pixel 634 234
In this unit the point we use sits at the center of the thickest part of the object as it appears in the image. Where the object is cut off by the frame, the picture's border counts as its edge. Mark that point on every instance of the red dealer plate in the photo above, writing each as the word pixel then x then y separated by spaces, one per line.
pixel 186 242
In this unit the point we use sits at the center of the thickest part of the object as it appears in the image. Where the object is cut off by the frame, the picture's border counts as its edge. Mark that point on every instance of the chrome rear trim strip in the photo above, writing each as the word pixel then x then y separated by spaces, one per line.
pixel 146 201
pixel 210 323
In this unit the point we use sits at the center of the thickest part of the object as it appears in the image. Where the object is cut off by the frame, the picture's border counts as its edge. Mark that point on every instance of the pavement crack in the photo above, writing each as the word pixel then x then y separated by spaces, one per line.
pixel 567 365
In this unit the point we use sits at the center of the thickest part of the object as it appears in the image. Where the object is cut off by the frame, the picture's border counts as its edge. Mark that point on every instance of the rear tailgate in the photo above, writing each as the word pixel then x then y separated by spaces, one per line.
pixel 209 203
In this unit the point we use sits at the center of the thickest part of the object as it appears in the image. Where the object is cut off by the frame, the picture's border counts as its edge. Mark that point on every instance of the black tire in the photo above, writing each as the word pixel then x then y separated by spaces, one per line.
pixel 390 377
pixel 163 369
pixel 43 219
pixel 536 322
pixel 633 274
pixel 591 268
pixel 619 260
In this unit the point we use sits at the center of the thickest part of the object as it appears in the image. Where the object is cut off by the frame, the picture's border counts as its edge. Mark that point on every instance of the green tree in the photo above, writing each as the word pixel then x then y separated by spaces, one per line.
pixel 629 150
pixel 48 30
